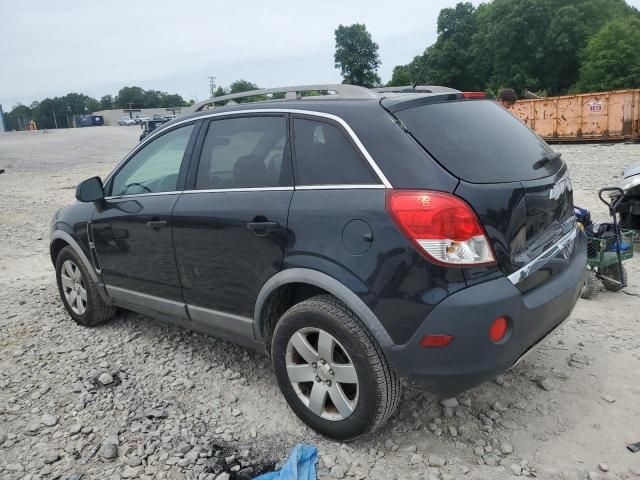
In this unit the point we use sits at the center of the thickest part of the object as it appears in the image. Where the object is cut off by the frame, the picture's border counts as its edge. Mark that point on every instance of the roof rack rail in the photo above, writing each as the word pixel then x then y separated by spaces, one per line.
pixel 291 93
pixel 416 89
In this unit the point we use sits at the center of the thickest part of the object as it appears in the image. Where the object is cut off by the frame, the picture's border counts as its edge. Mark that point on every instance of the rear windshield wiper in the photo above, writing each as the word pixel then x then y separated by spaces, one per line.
pixel 549 157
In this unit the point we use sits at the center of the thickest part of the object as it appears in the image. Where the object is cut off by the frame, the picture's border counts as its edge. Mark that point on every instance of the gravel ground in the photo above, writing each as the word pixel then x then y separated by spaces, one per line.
pixel 136 398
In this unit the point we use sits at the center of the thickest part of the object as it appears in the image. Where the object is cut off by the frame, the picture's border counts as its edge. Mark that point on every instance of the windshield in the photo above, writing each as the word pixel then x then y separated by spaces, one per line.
pixel 479 141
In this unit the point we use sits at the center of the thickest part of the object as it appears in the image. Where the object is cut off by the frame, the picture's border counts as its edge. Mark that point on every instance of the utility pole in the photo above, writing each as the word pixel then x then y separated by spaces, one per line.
pixel 212 85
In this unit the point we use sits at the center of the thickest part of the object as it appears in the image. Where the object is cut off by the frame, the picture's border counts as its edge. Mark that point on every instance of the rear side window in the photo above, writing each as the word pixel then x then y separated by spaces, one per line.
pixel 479 141
pixel 324 156
pixel 245 152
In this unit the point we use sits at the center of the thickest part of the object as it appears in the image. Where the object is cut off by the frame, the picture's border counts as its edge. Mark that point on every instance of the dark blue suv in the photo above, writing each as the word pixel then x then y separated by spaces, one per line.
pixel 363 239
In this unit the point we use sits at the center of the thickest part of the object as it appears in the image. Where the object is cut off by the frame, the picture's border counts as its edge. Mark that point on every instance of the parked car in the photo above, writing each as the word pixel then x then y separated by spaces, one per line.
pixel 126 121
pixel 363 241
pixel 141 119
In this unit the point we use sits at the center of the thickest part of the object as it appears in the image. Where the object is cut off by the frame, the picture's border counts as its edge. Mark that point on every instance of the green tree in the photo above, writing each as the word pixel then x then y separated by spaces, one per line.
pixel 172 100
pixel 536 45
pixel 449 58
pixel 401 76
pixel 107 102
pixel 514 43
pixel 357 55
pixel 220 91
pixel 130 96
pixel 410 73
pixel 17 118
pixel 140 98
pixel 611 59
pixel 241 86
pixel 152 99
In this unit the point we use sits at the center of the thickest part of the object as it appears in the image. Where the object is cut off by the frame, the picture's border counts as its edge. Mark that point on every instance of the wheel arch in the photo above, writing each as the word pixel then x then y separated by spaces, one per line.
pixel 61 239
pixel 312 282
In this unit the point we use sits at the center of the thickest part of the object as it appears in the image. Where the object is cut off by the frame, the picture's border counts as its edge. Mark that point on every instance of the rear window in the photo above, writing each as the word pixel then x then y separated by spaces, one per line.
pixel 479 141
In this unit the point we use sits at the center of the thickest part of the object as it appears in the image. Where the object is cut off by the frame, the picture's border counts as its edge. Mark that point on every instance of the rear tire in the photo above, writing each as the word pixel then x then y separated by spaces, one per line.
pixel 366 388
pixel 613 271
pixel 591 285
pixel 79 292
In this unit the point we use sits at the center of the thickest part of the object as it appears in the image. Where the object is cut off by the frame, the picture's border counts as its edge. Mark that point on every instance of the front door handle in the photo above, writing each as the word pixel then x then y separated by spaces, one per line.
pixel 157 224
pixel 262 228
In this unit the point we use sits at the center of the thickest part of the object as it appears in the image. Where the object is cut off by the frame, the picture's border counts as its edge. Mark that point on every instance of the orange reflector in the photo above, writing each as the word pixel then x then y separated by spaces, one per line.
pixel 436 341
pixel 498 329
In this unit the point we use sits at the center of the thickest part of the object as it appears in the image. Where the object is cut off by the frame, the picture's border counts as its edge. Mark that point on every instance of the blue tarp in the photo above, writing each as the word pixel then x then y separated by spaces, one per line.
pixel 301 465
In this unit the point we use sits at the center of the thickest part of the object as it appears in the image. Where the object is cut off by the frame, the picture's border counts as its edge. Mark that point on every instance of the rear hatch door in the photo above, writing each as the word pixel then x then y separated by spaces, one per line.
pixel 511 178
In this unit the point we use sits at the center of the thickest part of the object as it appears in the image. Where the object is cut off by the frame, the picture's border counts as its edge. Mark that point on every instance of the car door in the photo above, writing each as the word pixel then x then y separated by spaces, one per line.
pixel 230 228
pixel 132 231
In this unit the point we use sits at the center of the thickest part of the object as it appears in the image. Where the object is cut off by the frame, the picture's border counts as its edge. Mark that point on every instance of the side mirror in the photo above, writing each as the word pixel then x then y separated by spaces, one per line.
pixel 91 190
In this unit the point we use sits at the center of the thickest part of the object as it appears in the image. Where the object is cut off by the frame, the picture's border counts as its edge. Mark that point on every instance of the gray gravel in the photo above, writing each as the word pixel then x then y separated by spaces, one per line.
pixel 136 398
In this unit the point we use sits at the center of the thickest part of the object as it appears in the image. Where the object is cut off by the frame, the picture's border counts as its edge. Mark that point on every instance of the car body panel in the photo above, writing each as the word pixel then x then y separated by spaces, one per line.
pixel 472 357
pixel 222 263
pixel 133 255
pixel 391 277
pixel 217 276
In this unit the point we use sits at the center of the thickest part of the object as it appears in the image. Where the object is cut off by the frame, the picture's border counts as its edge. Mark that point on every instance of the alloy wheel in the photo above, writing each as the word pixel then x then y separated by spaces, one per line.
pixel 73 287
pixel 322 373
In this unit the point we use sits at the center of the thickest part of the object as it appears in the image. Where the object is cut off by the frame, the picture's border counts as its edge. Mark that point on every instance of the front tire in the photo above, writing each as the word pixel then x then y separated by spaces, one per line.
pixel 79 292
pixel 331 370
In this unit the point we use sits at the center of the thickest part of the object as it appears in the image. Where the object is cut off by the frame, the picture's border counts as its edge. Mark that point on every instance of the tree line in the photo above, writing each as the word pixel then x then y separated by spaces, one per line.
pixel 547 46
pixel 58 112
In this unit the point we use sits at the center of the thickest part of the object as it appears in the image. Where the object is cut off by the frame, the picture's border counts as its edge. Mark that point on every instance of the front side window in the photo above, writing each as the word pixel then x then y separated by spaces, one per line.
pixel 155 168
pixel 325 156
pixel 245 152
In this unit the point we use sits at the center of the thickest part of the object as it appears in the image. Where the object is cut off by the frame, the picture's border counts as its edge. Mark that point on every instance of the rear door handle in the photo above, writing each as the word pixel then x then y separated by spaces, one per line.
pixel 262 228
pixel 157 224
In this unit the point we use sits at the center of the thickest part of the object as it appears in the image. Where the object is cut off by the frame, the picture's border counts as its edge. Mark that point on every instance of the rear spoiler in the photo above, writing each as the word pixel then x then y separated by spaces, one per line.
pixel 396 104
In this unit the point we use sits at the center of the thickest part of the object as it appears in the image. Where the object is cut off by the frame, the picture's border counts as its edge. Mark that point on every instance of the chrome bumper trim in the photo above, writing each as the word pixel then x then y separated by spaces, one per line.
pixel 564 244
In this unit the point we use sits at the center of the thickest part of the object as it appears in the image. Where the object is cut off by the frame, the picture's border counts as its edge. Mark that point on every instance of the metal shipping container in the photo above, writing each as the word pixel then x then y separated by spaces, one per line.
pixel 585 117
pixel 88 120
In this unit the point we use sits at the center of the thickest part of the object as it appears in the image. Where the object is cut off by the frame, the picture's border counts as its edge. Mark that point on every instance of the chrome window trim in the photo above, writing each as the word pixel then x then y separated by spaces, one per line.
pixel 374 166
pixel 139 195
pixel 565 242
pixel 341 187
pixel 248 189
pixel 375 186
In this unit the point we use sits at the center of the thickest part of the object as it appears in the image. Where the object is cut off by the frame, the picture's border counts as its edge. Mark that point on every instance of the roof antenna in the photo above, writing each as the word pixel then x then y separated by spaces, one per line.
pixel 424 67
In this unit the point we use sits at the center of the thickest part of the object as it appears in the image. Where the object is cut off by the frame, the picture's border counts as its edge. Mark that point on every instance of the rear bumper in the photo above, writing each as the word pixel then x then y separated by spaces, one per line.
pixel 472 358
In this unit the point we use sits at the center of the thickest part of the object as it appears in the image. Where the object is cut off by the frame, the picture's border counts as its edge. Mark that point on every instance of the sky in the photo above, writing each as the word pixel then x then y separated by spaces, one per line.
pixel 50 48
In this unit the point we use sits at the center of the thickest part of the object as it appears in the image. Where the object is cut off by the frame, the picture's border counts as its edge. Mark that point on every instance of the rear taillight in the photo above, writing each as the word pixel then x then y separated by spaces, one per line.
pixel 442 226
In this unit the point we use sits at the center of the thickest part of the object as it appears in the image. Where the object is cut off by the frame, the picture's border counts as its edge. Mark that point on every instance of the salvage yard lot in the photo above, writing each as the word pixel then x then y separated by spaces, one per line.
pixel 138 398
